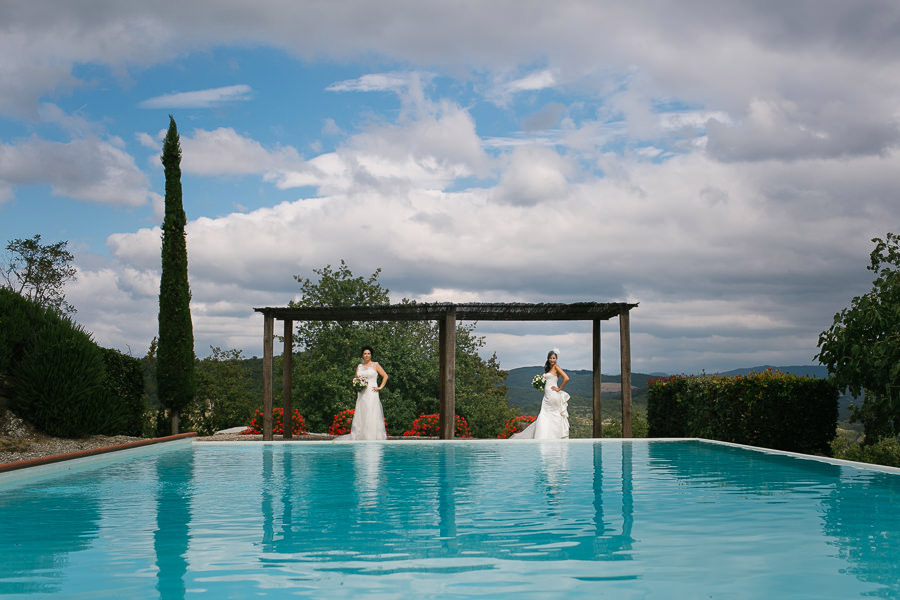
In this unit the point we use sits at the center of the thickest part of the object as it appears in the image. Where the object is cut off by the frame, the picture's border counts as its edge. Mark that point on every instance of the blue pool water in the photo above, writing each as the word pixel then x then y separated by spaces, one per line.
pixel 578 519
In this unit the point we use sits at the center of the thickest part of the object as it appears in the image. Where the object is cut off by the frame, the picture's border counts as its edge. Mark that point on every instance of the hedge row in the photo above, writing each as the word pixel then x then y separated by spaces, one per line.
pixel 768 409
pixel 59 380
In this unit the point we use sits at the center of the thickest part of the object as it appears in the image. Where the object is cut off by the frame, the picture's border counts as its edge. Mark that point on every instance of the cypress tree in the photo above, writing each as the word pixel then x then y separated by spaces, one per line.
pixel 175 350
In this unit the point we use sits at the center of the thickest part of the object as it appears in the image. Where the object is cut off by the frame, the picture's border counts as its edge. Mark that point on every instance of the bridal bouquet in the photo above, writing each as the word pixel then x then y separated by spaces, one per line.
pixel 360 383
pixel 539 381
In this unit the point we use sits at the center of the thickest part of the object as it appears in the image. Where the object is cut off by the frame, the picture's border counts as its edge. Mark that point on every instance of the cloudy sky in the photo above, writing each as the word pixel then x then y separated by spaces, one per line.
pixel 723 163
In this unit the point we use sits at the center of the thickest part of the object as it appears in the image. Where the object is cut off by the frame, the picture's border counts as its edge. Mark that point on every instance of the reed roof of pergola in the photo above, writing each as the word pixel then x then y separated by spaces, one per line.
pixel 474 311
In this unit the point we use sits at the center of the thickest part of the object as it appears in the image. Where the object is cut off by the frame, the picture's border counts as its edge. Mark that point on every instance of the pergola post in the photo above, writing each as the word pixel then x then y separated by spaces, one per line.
pixel 286 381
pixel 447 348
pixel 268 351
pixel 595 365
pixel 625 354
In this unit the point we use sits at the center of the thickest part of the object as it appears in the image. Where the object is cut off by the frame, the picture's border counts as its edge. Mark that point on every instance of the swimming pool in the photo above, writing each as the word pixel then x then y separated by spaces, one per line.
pixel 482 519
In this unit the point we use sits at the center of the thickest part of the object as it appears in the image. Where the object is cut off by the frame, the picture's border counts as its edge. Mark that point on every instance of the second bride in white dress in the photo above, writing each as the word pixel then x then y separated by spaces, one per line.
pixel 368 416
pixel 553 421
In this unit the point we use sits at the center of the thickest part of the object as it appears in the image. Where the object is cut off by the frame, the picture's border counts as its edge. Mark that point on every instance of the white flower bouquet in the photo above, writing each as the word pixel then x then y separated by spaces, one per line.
pixel 360 383
pixel 539 382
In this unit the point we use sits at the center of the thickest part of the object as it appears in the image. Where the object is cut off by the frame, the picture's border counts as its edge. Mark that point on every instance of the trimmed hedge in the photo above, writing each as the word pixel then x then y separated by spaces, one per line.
pixel 20 320
pixel 58 384
pixel 124 383
pixel 59 380
pixel 768 409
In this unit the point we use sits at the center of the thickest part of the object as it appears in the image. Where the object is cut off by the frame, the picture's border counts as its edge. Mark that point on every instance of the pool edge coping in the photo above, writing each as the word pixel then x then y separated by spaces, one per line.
pixel 55 458
pixel 826 459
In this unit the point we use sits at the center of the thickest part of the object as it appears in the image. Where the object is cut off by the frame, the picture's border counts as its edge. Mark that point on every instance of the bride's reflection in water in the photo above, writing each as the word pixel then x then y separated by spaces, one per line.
pixel 367 470
pixel 554 472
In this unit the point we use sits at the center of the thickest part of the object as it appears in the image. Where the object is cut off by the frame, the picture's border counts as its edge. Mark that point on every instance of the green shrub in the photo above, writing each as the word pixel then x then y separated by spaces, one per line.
pixel 485 412
pixel 885 451
pixel 20 319
pixel 639 427
pixel 124 383
pixel 59 384
pixel 769 409
pixel 399 411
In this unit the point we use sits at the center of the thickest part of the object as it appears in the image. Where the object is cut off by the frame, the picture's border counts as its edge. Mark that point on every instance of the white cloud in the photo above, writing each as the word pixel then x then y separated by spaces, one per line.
pixel 200 98
pixel 432 145
pixel 223 151
pixel 534 175
pixel 745 240
pixel 374 82
pixel 533 81
pixel 88 169
pixel 716 280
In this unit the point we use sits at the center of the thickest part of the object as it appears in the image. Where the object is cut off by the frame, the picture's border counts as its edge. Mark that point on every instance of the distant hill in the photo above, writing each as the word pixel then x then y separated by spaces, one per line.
pixel 817 371
pixel 519 392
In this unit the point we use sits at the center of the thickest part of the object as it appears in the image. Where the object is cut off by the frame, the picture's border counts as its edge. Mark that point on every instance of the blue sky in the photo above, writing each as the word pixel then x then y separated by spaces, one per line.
pixel 725 164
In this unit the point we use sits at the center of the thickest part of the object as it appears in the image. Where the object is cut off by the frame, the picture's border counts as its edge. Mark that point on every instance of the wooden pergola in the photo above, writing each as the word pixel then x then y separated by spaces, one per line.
pixel 447 314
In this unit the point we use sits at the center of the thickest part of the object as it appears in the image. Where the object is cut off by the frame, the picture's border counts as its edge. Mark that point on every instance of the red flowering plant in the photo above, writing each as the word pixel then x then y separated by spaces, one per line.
pixel 256 423
pixel 429 426
pixel 516 425
pixel 342 422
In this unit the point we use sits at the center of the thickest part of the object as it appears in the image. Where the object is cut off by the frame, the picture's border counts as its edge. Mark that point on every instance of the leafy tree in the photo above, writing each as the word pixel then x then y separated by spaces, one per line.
pixel 175 351
pixel 39 272
pixel 408 351
pixel 224 393
pixel 862 347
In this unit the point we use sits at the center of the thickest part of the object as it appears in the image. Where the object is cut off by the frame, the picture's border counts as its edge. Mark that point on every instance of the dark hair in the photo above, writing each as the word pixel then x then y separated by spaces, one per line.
pixel 547 364
pixel 369 348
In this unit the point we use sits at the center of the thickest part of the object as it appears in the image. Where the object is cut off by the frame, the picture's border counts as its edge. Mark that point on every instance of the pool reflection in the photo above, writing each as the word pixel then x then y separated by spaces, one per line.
pixel 174 474
pixel 372 501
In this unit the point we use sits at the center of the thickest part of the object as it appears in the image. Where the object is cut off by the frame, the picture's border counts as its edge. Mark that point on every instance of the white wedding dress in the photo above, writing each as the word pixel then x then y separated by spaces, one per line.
pixel 553 421
pixel 368 417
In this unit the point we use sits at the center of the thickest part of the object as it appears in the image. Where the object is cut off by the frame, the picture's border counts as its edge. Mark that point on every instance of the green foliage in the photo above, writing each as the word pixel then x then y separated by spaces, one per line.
pixel 59 386
pixel 61 381
pixel 175 352
pixel 224 397
pixel 124 383
pixel 885 451
pixel 639 427
pixel 39 272
pixel 769 409
pixel 862 347
pixel 408 352
pixel 20 318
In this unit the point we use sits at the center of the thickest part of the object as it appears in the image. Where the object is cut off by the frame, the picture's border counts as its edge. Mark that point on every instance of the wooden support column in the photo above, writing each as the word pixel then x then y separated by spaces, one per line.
pixel 268 352
pixel 288 416
pixel 598 417
pixel 447 343
pixel 625 353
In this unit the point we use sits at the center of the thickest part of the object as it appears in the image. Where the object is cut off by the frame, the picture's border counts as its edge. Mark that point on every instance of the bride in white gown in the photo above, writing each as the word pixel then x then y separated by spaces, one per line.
pixel 368 416
pixel 553 421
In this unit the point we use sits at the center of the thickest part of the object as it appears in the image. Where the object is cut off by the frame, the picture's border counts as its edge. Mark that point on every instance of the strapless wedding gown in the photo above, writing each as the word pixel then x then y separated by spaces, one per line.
pixel 553 421
pixel 368 416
